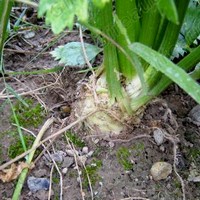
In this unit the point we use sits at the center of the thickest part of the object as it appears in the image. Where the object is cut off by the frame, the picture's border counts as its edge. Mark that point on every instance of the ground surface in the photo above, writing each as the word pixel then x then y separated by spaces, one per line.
pixel 118 167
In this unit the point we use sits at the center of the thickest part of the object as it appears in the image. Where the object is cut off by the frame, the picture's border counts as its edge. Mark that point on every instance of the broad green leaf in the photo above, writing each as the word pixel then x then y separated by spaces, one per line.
pixel 191 25
pixel 163 64
pixel 168 9
pixel 100 3
pixel 71 54
pixel 61 13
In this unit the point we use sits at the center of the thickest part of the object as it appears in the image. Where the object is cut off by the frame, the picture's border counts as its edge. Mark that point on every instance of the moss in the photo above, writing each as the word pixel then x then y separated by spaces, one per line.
pixel 138 148
pixel 16 148
pixel 92 170
pixel 194 152
pixel 123 155
pixel 75 139
pixel 31 116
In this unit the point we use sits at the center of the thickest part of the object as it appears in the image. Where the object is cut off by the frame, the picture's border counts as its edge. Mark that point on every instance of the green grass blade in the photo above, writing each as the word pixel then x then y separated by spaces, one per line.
pixel 163 64
pixel 18 127
pixel 37 72
pixel 5 9
pixel 10 89
pixel 168 9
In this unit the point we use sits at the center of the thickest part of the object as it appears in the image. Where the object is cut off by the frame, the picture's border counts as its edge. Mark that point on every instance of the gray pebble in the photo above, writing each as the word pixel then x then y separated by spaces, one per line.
pixel 65 170
pixel 194 115
pixel 58 156
pixel 71 152
pixel 158 136
pixel 90 154
pixel 36 184
pixel 161 170
pixel 67 162
pixel 40 173
pixel 85 150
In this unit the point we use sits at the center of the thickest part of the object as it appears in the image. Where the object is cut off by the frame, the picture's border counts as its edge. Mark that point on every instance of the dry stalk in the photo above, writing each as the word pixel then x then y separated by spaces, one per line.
pixel 135 198
pixel 81 119
pixel 77 167
pixel 50 185
pixel 89 65
pixel 174 140
pixel 3 96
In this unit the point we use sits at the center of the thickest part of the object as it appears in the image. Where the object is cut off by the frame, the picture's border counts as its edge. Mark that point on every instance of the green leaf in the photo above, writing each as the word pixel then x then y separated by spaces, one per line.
pixel 168 9
pixel 191 25
pixel 71 54
pixel 100 3
pixel 163 64
pixel 61 13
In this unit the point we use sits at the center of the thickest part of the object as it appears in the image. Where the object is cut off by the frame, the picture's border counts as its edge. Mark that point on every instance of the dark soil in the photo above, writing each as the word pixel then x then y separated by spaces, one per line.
pixel 111 180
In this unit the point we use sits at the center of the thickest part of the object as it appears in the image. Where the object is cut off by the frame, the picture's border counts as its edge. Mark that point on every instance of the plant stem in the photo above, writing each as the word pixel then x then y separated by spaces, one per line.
pixel 187 63
pixel 23 175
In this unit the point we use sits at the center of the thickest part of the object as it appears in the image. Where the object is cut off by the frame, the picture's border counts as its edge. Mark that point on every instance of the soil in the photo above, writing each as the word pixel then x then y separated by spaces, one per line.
pixel 110 180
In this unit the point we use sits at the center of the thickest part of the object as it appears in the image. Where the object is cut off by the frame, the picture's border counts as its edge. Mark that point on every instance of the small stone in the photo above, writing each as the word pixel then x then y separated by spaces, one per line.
pixel 161 170
pixel 36 184
pixel 40 173
pixel 67 162
pixel 194 114
pixel 194 179
pixel 81 160
pixel 65 170
pixel 29 34
pixel 90 154
pixel 111 144
pixel 96 141
pixel 58 156
pixel 71 152
pixel 78 179
pixel 162 148
pixel 85 150
pixel 158 136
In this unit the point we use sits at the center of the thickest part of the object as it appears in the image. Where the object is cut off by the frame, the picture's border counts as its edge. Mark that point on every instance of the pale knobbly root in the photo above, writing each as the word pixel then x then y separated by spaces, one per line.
pixel 109 119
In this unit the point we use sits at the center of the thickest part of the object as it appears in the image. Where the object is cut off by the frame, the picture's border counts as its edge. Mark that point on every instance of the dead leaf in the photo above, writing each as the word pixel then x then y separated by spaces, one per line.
pixel 13 172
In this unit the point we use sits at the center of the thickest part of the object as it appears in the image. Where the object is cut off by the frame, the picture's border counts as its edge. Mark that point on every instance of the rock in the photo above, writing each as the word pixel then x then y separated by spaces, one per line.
pixel 85 150
pixel 194 115
pixel 29 34
pixel 194 179
pixel 111 144
pixel 90 154
pixel 71 152
pixel 58 156
pixel 40 173
pixel 65 170
pixel 194 175
pixel 67 162
pixel 36 184
pixel 158 136
pixel 161 170
pixel 96 141
pixel 162 148
pixel 81 160
pixel 42 195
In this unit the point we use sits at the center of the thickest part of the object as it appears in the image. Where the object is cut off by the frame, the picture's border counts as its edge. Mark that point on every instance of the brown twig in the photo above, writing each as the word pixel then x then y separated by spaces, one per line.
pixel 46 139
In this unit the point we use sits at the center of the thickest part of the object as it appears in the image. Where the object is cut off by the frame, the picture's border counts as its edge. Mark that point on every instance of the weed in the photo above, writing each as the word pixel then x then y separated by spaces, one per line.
pixel 28 116
pixel 123 155
pixel 91 170
pixel 74 139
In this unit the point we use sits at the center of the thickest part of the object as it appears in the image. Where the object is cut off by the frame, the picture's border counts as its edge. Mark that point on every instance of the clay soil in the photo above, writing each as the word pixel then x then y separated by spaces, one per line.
pixel 168 112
